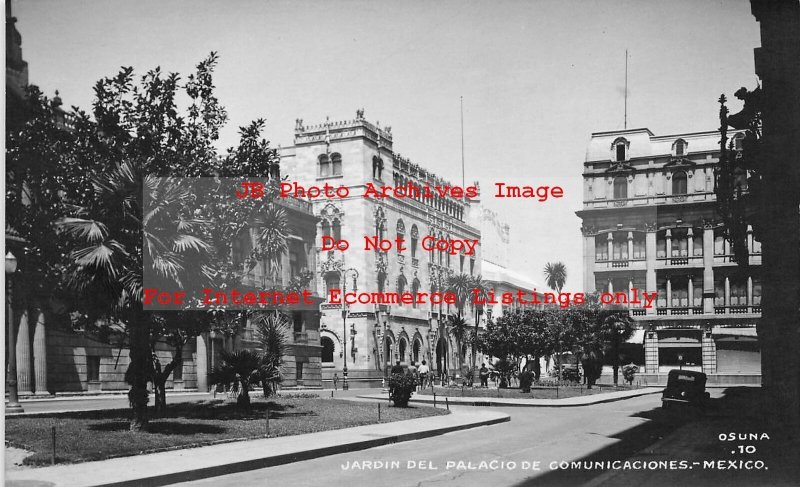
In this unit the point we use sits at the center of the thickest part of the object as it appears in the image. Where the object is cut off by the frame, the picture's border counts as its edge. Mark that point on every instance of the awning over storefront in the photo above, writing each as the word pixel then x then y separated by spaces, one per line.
pixel 734 331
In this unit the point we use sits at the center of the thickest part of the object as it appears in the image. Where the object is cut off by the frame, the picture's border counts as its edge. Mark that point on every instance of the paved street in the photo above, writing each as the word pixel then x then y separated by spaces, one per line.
pixel 613 430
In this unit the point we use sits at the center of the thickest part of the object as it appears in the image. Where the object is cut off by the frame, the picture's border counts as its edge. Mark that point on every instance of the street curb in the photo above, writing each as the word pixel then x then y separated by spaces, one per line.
pixel 282 459
pixel 481 401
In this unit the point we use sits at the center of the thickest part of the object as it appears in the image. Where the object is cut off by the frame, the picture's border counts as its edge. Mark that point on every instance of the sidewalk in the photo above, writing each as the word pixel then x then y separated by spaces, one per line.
pixel 211 461
pixel 506 402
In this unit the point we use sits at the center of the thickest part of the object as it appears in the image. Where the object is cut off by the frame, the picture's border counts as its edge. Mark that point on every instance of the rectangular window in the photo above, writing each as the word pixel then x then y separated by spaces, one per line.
pixel 697 243
pixel 92 368
pixel 756 247
pixel 697 295
pixel 298 371
pixel 679 247
pixel 719 292
pixel 620 152
pixel 661 247
pixel 600 249
pixel 719 245
pixel 620 249
pixel 738 294
pixel 756 292
pixel 639 248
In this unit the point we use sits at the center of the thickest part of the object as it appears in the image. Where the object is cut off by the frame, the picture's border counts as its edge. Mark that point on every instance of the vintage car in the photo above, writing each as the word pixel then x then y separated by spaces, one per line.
pixel 685 387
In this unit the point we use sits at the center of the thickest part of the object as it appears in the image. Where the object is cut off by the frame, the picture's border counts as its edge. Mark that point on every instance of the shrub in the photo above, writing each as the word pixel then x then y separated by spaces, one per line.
pixel 401 386
pixel 569 373
pixel 628 372
pixel 525 381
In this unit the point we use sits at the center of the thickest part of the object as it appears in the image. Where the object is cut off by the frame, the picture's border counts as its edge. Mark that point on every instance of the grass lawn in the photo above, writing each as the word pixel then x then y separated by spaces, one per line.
pixel 97 435
pixel 539 392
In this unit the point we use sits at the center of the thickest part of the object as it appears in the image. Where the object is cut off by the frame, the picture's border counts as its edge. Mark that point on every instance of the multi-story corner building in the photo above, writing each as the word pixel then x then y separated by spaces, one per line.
pixel 369 338
pixel 650 224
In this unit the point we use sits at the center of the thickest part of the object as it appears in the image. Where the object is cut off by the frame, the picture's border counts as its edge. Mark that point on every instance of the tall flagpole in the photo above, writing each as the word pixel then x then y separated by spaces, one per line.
pixel 626 89
pixel 462 143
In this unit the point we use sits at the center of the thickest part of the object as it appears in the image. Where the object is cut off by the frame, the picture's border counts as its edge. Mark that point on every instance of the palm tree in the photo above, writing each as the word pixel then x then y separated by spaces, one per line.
pixel 109 236
pixel 459 329
pixel 555 275
pixel 273 234
pixel 271 336
pixel 238 370
pixel 480 293
pixel 461 286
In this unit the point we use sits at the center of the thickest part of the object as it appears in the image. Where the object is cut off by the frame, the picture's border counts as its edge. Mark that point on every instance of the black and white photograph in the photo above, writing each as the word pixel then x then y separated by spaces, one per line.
pixel 415 244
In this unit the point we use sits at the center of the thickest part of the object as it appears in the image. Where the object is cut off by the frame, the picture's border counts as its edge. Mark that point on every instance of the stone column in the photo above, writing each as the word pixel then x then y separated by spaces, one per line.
pixel 727 292
pixel 650 256
pixel 610 245
pixel 610 287
pixel 24 378
pixel 588 263
pixel 708 270
pixel 668 236
pixel 749 292
pixel 201 363
pixel 40 353
pixel 669 292
pixel 749 239
pixel 630 245
pixel 690 243
pixel 691 292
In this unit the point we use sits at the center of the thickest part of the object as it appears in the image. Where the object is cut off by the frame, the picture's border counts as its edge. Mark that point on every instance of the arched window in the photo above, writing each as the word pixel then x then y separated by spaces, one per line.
pixel 414 291
pixel 416 349
pixel 327 349
pixel 620 147
pixel 324 166
pixel 401 284
pixel 679 183
pixel 326 228
pixel 680 148
pixel 381 282
pixel 336 160
pixel 620 188
pixel 401 234
pixel 414 241
pixel 337 229
pixel 401 348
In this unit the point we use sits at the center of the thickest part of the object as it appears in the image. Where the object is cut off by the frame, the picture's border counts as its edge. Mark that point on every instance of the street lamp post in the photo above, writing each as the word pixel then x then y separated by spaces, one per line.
pixel 13 405
pixel 345 384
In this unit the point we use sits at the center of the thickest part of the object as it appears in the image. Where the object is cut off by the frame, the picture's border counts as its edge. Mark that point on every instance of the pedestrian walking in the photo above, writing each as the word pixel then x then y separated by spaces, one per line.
pixel 335 381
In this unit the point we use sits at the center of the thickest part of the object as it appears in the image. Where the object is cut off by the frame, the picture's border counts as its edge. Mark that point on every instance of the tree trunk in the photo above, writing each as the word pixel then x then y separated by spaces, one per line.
pixel 537 368
pixel 615 366
pixel 244 395
pixel 139 370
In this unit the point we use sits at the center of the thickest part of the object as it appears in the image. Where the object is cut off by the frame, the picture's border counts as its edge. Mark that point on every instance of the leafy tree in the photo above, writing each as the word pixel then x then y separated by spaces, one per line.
pixel 616 326
pixel 90 181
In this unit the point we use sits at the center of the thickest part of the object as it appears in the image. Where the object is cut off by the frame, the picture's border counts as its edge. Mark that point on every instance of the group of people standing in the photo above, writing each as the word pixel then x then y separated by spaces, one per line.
pixel 422 374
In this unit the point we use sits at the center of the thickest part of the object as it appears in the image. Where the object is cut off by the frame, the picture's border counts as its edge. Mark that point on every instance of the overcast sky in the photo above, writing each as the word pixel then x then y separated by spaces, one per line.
pixel 537 77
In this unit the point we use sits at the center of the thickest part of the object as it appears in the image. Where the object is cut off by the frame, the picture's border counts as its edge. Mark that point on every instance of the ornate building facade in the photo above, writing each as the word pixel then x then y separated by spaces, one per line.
pixel 369 338
pixel 649 223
